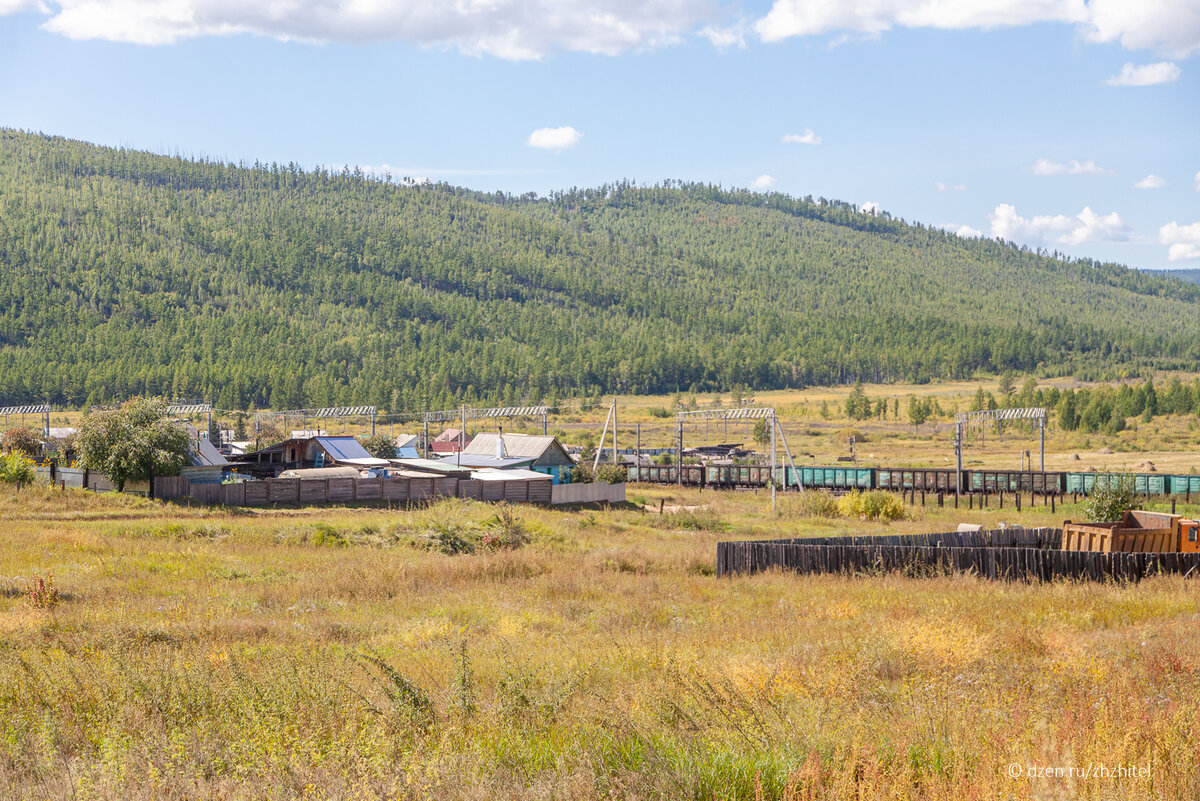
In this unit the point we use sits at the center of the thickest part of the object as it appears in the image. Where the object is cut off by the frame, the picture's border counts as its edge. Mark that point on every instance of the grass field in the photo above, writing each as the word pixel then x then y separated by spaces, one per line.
pixel 337 653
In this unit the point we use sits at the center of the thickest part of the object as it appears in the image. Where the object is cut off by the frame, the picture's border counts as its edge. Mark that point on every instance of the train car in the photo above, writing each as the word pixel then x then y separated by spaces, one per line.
pixel 927 480
pixel 844 478
pixel 1143 483
pixel 726 475
pixel 1183 484
pixel 1037 481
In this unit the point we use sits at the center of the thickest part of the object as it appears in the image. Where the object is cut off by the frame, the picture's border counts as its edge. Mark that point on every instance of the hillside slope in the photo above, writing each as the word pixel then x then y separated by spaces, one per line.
pixel 125 272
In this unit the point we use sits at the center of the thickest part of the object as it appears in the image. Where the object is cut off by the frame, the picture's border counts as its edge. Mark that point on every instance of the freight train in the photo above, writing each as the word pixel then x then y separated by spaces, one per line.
pixel 905 479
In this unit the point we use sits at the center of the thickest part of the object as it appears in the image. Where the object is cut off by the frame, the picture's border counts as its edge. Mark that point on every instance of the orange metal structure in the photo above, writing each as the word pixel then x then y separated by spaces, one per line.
pixel 1135 532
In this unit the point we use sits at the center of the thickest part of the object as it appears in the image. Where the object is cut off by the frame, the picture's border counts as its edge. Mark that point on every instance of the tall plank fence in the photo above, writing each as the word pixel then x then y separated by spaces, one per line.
pixel 313 491
pixel 1009 554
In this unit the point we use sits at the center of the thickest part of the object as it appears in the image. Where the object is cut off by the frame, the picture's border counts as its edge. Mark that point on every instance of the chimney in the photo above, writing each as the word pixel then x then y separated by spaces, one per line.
pixel 500 454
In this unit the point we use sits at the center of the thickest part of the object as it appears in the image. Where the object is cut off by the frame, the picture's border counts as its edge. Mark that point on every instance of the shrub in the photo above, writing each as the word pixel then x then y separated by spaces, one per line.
pixel 381 446
pixel 819 503
pixel 1110 497
pixel 508 530
pixel 612 474
pixel 450 540
pixel 41 593
pixel 582 474
pixel 326 534
pixel 21 440
pixel 16 469
pixel 659 412
pixel 874 505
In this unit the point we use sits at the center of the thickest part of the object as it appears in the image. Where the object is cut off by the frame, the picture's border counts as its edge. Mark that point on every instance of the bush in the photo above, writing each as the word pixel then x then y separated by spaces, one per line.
pixel 508 530
pixel 326 534
pixel 819 503
pixel 612 474
pixel 16 469
pixel 582 474
pixel 1110 497
pixel 659 412
pixel 21 440
pixel 874 505
pixel 381 446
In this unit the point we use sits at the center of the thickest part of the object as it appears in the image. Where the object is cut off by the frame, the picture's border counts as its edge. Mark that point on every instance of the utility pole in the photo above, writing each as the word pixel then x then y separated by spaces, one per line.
pixel 462 436
pixel 772 423
pixel 1042 441
pixel 614 415
pixel 679 457
pixel 958 437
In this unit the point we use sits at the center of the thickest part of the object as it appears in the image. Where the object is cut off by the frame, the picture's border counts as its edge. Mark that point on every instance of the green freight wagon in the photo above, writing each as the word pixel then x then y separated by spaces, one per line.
pixel 1184 484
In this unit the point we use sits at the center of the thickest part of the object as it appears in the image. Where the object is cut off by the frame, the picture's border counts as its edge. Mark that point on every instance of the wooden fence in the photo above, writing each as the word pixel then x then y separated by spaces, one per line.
pixel 1012 554
pixel 312 491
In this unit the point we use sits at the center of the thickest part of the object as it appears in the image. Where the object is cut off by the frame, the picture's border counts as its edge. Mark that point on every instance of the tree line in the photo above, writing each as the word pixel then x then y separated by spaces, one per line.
pixel 125 273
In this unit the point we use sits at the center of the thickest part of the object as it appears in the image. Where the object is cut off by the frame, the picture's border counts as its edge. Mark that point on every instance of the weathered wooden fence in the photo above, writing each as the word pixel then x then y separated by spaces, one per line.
pixel 1012 554
pixel 311 491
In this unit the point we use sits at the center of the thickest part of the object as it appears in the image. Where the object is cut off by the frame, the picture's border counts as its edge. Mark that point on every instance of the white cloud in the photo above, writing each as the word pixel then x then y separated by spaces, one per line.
pixel 725 37
pixel 967 232
pixel 941 186
pixel 762 182
pixel 1183 240
pixel 806 138
pixel 1151 181
pixel 1169 26
pixel 870 207
pixel 1086 226
pixel 556 139
pixel 17 6
pixel 533 29
pixel 509 29
pixel 1072 167
pixel 1146 74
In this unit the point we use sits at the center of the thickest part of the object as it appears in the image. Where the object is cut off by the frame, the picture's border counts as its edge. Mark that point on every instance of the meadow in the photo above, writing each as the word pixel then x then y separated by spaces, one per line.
pixel 574 654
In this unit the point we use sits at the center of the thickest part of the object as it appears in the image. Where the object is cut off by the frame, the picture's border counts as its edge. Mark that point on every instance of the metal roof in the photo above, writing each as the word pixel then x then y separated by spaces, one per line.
pixel 204 454
pixel 530 446
pixel 488 474
pixel 429 466
pixel 344 448
pixel 483 460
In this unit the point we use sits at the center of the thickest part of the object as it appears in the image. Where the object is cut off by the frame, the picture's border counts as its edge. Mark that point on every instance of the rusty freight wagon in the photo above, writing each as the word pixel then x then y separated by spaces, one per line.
pixel 1135 532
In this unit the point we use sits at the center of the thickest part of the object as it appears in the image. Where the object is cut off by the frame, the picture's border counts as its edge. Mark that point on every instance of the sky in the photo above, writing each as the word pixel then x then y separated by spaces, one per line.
pixel 1068 125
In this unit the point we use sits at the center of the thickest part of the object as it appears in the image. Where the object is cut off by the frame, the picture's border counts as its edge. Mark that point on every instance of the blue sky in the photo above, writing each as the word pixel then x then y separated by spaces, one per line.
pixel 1033 120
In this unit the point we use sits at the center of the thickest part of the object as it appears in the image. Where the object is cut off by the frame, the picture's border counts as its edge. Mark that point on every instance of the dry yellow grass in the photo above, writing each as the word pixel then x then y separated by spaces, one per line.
pixel 197 654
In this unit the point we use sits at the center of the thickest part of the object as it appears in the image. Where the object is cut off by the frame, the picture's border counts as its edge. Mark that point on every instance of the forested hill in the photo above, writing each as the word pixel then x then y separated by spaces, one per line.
pixel 126 272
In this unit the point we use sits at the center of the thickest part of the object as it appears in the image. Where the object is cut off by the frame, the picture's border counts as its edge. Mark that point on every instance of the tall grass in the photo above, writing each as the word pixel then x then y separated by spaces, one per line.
pixel 596 661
